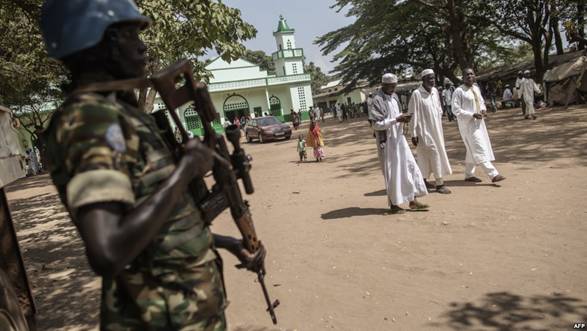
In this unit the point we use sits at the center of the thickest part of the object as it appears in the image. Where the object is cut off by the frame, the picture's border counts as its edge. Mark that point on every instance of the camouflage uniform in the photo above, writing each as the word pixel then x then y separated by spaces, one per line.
pixel 103 149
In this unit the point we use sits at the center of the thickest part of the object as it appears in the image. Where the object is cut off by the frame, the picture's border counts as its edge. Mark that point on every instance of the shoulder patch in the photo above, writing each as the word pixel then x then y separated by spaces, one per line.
pixel 115 138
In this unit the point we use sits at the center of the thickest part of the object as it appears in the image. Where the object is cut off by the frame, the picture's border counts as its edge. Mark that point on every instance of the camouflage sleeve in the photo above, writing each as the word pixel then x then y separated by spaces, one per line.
pixel 94 146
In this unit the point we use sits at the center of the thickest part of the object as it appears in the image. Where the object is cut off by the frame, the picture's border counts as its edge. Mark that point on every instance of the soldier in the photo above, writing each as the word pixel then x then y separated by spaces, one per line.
pixel 142 231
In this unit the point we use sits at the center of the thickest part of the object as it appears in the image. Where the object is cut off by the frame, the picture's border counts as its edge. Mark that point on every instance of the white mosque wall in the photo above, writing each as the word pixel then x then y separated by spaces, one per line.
pixel 301 97
pixel 236 74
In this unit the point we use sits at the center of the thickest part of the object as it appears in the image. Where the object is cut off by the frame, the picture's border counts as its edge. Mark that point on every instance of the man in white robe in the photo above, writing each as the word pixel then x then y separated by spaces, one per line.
pixel 528 87
pixel 403 180
pixel 469 107
pixel 518 91
pixel 427 133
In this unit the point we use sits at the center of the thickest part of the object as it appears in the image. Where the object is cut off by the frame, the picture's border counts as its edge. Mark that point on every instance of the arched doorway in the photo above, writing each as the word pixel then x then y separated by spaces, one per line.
pixel 235 105
pixel 193 122
pixel 275 106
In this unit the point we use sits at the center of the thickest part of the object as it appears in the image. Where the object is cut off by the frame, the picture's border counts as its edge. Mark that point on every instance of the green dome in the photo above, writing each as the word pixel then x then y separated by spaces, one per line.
pixel 282 25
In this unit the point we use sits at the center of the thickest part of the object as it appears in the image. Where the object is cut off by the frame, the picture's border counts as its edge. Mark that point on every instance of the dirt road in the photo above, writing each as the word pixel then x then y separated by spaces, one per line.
pixel 487 257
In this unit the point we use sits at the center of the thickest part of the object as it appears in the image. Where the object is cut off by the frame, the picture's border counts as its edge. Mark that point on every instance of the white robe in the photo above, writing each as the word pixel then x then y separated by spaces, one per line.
pixel 527 89
pixel 507 95
pixel 473 131
pixel 517 89
pixel 403 180
pixel 426 124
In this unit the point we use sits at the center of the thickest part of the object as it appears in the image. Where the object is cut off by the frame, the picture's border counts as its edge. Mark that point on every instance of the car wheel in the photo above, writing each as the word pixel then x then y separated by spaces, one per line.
pixel 11 316
pixel 287 137
pixel 261 140
pixel 249 139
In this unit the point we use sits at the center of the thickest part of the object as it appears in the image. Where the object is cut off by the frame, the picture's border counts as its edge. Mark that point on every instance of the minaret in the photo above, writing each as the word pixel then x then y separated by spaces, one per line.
pixel 288 59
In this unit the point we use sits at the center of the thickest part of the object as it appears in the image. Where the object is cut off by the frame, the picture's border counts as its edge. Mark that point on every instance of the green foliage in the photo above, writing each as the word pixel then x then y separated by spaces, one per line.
pixel 319 78
pixel 446 35
pixel 394 35
pixel 260 58
pixel 534 22
pixel 190 28
pixel 181 28
pixel 26 74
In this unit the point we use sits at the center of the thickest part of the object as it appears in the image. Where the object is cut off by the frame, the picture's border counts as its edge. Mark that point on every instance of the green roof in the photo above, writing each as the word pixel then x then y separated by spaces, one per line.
pixel 282 25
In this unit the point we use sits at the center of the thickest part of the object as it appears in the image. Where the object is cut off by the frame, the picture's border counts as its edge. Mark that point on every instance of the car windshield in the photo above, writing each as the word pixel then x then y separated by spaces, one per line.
pixel 268 121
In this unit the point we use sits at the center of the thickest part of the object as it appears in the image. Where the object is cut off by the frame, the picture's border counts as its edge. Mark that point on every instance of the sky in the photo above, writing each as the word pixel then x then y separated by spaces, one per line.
pixel 309 18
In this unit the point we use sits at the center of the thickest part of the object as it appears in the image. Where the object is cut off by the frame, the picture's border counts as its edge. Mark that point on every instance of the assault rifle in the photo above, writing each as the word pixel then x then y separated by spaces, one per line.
pixel 177 87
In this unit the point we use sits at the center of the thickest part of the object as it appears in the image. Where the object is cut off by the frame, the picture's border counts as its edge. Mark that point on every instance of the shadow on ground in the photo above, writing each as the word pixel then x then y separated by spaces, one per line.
pixel 504 311
pixel 380 193
pixel 28 183
pixel 462 183
pixel 514 140
pixel 65 290
pixel 352 212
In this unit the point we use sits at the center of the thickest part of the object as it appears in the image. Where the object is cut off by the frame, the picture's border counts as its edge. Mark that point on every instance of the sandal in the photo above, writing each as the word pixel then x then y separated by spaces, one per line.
pixel 416 205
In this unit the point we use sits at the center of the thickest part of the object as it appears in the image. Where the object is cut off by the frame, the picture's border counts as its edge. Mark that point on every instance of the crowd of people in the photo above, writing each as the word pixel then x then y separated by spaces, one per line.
pixel 523 94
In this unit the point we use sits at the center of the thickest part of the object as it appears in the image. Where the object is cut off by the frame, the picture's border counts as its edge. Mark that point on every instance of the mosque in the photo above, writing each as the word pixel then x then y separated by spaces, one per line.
pixel 241 88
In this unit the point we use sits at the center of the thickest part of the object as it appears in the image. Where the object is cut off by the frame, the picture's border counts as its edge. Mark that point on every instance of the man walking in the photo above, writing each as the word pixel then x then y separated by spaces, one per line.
pixel 142 231
pixel 528 87
pixel 518 92
pixel 447 99
pixel 506 99
pixel 469 107
pixel 427 133
pixel 403 180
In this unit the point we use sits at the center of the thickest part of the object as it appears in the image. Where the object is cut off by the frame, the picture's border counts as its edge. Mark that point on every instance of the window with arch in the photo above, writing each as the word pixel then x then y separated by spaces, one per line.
pixel 234 106
pixel 289 46
pixel 235 102
pixel 275 105
pixel 192 120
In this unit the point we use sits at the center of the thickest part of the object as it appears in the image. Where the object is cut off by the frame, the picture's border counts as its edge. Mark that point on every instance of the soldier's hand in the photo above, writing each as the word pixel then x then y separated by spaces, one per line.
pixel 198 158
pixel 478 116
pixel 254 262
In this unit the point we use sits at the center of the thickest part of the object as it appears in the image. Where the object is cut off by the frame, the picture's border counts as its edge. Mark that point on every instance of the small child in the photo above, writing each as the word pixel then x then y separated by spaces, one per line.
pixel 302 148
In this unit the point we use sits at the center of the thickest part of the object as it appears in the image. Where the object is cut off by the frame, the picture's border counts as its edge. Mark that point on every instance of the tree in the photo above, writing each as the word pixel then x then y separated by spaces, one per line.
pixel 25 70
pixel 395 35
pixel 181 28
pixel 184 28
pixel 575 26
pixel 260 58
pixel 532 21
pixel 319 78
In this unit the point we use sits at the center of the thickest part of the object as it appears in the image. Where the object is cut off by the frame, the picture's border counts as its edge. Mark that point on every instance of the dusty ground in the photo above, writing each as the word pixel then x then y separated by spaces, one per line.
pixel 508 257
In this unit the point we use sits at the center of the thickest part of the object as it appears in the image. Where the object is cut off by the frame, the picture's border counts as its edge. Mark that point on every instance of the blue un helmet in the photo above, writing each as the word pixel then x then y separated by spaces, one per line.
pixel 70 26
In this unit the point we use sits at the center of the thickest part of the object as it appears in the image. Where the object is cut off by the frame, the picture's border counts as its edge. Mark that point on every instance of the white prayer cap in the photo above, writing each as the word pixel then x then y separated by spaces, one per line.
pixel 526 72
pixel 426 72
pixel 389 78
